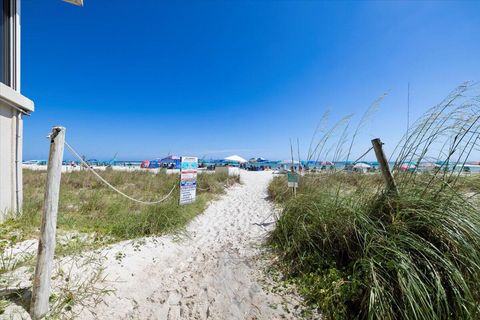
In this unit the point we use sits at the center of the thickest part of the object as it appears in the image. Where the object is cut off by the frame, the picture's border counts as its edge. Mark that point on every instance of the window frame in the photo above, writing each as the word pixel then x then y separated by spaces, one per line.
pixel 11 44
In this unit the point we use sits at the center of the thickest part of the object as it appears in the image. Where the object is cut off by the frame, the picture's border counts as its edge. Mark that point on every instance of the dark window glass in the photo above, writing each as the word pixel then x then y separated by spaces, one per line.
pixel 2 51
pixel 5 42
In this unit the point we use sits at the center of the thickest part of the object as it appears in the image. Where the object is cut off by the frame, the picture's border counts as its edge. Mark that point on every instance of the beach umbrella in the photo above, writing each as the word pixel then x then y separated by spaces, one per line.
pixel 235 158
pixel 327 163
pixel 362 165
pixel 408 166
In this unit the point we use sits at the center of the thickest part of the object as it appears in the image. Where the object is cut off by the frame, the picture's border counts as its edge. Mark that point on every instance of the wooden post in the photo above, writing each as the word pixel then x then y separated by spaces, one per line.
pixel 382 160
pixel 46 243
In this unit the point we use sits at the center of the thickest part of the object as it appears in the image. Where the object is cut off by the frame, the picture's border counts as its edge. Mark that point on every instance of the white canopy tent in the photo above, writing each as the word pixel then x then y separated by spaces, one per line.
pixel 235 158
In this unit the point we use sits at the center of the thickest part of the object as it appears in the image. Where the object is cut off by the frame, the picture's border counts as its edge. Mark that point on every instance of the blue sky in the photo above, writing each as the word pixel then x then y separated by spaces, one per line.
pixel 210 78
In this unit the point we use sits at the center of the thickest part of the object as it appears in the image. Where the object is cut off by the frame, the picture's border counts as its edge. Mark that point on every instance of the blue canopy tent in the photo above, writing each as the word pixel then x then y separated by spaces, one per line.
pixel 261 164
pixel 173 162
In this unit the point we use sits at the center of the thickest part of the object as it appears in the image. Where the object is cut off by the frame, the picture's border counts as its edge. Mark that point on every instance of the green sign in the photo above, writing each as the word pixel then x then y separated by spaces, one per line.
pixel 292 178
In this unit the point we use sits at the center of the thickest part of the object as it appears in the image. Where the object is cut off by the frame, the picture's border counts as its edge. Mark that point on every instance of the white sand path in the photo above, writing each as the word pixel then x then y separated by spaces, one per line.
pixel 215 271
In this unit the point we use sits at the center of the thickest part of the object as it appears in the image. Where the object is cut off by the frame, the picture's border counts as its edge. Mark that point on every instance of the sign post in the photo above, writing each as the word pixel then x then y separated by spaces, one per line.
pixel 188 180
pixel 292 181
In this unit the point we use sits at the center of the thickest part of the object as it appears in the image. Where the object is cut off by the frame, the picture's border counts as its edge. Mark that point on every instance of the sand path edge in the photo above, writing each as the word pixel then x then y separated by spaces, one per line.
pixel 214 270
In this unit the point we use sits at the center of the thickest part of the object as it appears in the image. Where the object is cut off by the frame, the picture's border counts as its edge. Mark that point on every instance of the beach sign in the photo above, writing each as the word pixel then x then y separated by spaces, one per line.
pixel 292 179
pixel 188 179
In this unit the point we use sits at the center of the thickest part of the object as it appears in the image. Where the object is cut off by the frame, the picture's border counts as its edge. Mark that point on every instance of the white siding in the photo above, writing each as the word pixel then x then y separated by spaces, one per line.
pixel 7 159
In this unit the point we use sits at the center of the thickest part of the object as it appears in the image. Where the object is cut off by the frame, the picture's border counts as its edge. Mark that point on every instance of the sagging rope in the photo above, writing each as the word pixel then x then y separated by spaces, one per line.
pixel 363 155
pixel 112 187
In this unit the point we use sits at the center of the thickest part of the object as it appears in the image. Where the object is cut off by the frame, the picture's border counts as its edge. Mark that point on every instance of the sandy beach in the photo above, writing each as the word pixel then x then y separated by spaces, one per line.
pixel 214 270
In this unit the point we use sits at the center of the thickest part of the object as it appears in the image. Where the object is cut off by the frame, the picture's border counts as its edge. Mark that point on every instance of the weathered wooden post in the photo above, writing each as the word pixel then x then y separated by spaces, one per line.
pixel 46 243
pixel 382 160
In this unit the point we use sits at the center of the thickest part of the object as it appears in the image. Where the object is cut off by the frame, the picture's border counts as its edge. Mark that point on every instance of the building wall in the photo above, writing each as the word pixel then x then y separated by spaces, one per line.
pixel 12 106
pixel 10 160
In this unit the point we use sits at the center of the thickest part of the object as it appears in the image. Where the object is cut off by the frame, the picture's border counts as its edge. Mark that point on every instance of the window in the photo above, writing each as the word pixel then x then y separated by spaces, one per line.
pixel 5 43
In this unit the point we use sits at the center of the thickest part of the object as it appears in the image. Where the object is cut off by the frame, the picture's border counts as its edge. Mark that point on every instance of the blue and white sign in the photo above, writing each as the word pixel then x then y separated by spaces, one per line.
pixel 188 180
pixel 189 163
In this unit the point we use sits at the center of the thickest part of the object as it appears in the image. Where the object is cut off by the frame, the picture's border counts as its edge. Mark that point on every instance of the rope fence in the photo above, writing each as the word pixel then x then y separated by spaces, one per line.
pixel 75 153
pixel 363 155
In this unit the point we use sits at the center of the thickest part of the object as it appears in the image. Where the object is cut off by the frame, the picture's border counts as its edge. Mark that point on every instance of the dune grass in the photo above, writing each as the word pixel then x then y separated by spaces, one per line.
pixel 87 205
pixel 367 255
pixel 356 252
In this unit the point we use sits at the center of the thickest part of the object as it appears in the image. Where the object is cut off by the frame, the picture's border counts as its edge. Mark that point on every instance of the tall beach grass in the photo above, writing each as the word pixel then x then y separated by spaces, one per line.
pixel 357 252
pixel 88 205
